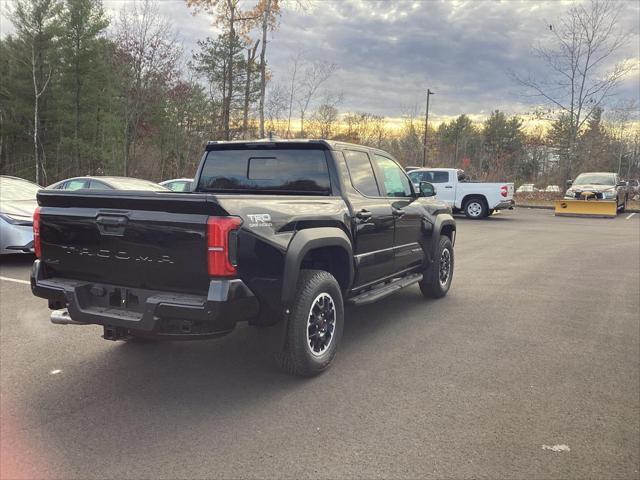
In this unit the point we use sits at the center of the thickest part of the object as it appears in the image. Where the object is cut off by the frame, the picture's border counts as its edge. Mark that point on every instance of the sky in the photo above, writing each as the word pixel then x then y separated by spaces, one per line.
pixel 388 53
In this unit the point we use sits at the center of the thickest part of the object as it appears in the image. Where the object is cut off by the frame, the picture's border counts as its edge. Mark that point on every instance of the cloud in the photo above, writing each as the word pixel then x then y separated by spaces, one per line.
pixel 389 52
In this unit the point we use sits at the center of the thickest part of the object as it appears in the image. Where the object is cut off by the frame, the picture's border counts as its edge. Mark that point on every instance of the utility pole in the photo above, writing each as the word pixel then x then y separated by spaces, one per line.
pixel 426 129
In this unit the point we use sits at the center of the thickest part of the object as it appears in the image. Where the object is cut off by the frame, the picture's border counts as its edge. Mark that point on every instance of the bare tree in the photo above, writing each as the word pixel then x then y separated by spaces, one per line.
pixel 275 106
pixel 620 122
pixel 326 117
pixel 151 53
pixel 314 75
pixel 294 65
pixel 251 61
pixel 268 11
pixel 579 75
pixel 36 24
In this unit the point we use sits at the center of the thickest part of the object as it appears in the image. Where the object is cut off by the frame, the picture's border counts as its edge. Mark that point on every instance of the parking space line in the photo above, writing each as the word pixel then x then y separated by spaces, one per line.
pixel 16 280
pixel 630 216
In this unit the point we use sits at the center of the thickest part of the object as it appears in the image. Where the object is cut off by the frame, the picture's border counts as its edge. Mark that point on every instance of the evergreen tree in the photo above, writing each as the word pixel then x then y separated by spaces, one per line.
pixel 82 22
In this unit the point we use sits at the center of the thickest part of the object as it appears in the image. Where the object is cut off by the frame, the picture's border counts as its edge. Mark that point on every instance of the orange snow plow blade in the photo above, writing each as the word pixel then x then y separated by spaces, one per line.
pixel 586 208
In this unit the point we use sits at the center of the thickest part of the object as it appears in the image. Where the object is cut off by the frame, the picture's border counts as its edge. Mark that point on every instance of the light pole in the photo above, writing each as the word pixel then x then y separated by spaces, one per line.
pixel 426 129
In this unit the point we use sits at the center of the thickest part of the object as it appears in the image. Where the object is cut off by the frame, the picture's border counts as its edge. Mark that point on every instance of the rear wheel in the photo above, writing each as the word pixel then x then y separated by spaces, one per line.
pixel 437 279
pixel 475 208
pixel 315 325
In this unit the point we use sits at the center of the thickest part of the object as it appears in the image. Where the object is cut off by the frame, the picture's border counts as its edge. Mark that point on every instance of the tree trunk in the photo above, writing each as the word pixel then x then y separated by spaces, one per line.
pixel 293 81
pixel 263 66
pixel 125 161
pixel 247 87
pixel 76 149
pixel 232 37
pixel 251 57
pixel 36 119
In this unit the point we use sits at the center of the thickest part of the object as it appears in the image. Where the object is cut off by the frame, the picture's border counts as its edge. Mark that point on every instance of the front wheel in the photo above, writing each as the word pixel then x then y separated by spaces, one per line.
pixel 623 207
pixel 475 209
pixel 315 325
pixel 437 279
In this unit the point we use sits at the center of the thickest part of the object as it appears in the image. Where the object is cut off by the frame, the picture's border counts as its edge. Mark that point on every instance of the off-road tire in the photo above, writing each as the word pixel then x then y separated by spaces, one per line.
pixel 431 285
pixel 475 208
pixel 297 357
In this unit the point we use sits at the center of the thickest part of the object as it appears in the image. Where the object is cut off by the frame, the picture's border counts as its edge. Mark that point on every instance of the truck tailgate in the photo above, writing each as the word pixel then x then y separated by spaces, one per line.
pixel 147 240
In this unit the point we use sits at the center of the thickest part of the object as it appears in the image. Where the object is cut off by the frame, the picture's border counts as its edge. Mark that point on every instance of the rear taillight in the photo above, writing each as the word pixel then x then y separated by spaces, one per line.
pixel 504 191
pixel 36 232
pixel 221 245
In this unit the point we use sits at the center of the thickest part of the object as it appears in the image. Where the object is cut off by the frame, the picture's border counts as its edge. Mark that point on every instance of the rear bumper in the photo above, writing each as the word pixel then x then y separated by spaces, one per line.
pixel 507 204
pixel 149 312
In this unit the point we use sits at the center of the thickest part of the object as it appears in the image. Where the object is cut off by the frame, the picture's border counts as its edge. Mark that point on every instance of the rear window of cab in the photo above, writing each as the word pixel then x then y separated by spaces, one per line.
pixel 293 171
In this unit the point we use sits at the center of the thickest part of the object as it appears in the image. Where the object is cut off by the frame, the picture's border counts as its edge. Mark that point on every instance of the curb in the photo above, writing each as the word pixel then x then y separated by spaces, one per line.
pixel 551 207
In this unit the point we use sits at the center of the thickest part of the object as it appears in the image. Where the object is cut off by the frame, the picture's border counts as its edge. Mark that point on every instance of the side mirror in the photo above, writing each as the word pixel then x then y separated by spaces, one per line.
pixel 569 183
pixel 427 189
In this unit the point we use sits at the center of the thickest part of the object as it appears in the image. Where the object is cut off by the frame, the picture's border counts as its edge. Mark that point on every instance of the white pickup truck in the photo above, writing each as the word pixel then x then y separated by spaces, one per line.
pixel 476 200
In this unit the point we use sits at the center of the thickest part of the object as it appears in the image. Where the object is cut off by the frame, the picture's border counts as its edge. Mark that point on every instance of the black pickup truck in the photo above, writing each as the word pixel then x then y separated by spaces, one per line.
pixel 277 233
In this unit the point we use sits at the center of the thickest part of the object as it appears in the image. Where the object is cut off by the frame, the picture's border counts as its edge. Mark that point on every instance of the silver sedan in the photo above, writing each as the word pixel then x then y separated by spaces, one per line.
pixel 17 204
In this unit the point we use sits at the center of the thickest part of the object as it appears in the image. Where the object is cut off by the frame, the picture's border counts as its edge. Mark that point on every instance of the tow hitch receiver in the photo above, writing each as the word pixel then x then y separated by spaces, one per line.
pixel 115 333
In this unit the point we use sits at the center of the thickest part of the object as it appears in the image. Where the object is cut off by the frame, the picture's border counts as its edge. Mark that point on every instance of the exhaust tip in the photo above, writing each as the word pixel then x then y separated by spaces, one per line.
pixel 62 317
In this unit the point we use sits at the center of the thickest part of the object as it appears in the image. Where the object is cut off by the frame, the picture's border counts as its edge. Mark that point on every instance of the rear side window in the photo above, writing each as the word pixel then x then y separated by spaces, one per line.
pixel 75 184
pixel 96 185
pixel 431 177
pixel 361 173
pixel 440 177
pixel 295 171
pixel 179 186
pixel 436 177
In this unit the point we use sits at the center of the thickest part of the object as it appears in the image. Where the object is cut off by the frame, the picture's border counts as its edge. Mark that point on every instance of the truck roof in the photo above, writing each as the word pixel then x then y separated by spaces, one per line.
pixel 438 169
pixel 327 144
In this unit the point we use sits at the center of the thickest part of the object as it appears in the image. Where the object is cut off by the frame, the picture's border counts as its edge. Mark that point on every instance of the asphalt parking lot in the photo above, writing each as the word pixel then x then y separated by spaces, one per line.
pixel 538 343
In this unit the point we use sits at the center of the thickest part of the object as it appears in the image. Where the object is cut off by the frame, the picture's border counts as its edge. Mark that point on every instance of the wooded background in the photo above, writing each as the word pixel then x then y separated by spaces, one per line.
pixel 82 93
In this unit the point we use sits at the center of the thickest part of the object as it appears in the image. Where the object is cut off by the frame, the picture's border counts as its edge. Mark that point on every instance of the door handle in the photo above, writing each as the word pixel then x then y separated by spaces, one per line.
pixel 113 226
pixel 398 212
pixel 448 186
pixel 112 221
pixel 363 215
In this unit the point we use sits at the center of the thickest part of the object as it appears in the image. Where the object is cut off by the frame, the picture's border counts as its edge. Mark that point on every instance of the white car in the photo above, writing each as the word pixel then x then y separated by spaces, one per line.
pixel 552 189
pixel 475 199
pixel 526 188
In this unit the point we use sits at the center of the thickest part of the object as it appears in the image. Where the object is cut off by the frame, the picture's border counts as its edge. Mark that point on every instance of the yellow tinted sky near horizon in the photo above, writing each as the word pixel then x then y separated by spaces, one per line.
pixel 396 124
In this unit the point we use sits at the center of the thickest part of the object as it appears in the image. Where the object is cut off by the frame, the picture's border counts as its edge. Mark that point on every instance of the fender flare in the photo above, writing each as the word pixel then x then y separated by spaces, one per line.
pixel 442 220
pixel 305 241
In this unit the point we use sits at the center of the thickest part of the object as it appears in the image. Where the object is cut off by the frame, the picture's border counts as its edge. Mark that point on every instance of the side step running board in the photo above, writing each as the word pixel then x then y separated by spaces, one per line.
pixel 385 289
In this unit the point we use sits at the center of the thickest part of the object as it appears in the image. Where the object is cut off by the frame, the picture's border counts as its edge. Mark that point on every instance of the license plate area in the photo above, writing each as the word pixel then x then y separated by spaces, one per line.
pixel 111 297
